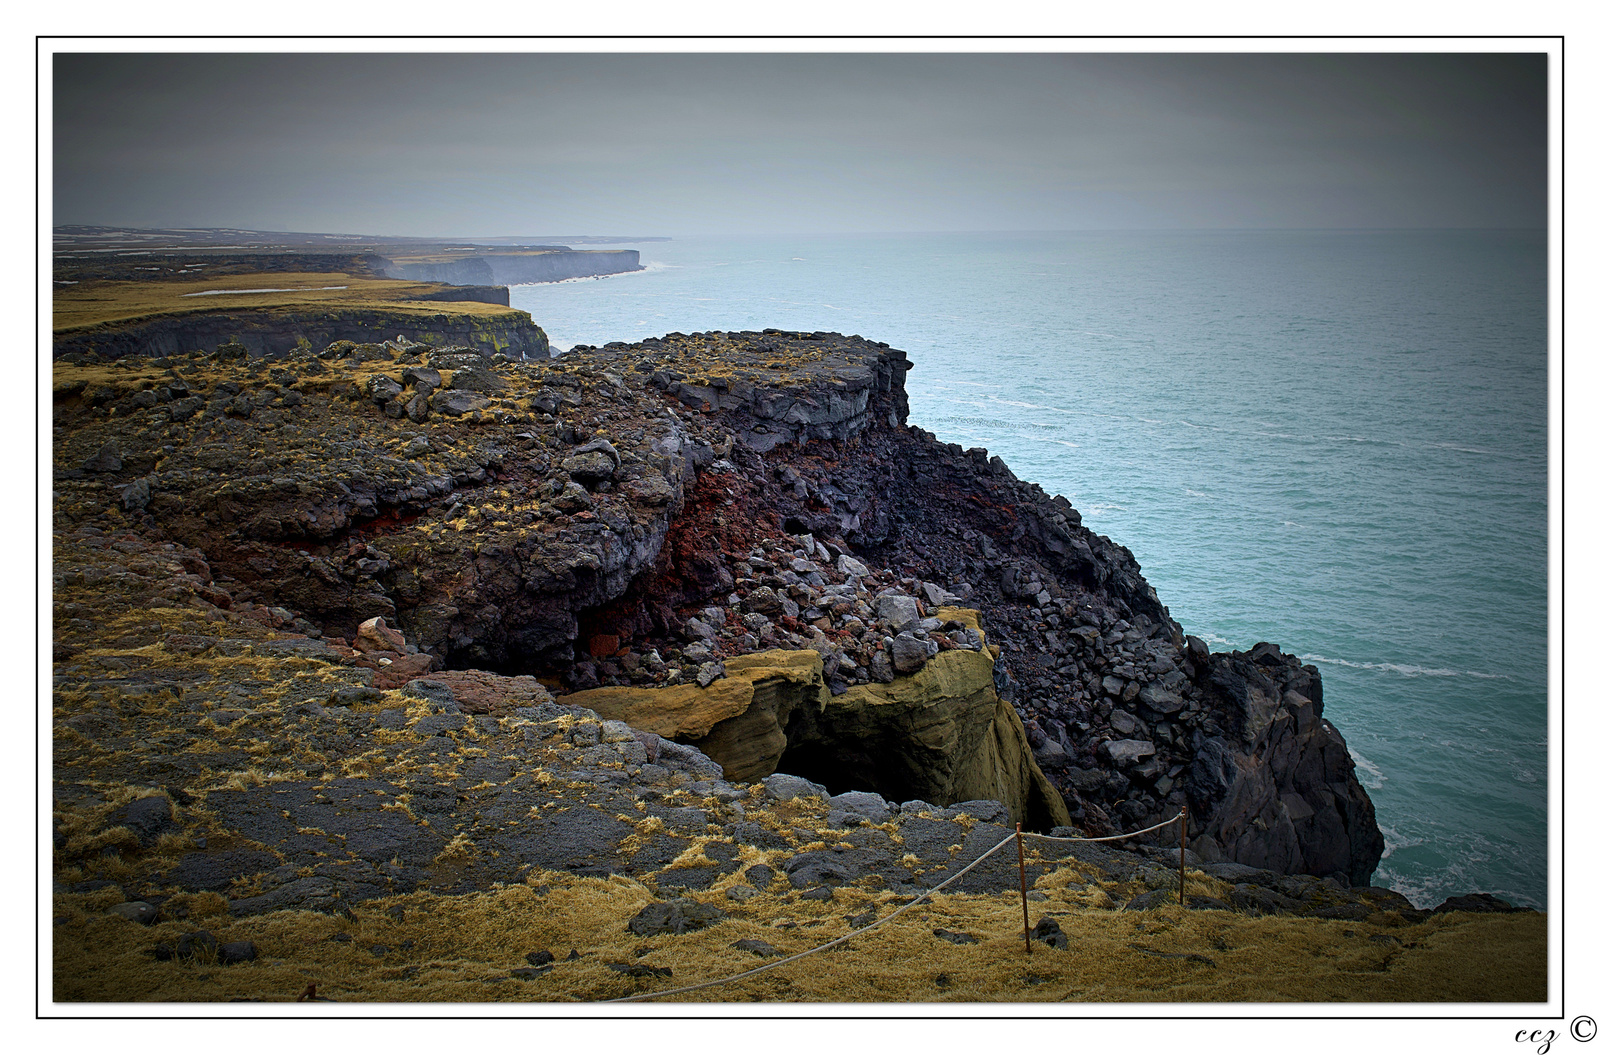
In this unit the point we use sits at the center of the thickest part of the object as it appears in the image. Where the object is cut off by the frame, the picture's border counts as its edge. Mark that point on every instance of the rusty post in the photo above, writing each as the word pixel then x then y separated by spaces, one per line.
pixel 1022 872
pixel 1183 850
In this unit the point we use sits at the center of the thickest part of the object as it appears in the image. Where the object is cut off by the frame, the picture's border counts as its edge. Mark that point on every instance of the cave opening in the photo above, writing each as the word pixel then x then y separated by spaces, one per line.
pixel 842 767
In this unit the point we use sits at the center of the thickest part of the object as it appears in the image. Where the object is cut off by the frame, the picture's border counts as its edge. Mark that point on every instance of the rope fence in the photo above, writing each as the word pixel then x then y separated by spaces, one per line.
pixel 1106 838
pixel 1181 818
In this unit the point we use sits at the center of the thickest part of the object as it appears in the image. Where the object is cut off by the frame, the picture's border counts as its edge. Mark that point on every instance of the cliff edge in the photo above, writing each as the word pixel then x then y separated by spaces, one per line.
pixel 643 518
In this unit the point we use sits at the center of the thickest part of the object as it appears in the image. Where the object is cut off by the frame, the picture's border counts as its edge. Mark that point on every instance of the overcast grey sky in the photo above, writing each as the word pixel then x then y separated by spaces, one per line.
pixel 494 144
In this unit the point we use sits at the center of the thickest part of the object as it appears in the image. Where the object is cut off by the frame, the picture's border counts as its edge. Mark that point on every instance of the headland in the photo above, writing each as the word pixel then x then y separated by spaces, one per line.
pixel 365 651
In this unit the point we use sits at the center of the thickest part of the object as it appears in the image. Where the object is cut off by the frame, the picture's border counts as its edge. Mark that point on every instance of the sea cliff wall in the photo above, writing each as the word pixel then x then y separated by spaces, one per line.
pixel 639 518
pixel 276 333
pixel 515 268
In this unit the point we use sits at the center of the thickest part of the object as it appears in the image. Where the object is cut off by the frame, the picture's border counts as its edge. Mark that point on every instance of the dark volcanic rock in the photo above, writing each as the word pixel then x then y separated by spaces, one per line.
pixel 678 916
pixel 1477 903
pixel 1282 792
pixel 639 515
pixel 1049 932
pixel 231 952
pixel 756 946
pixel 146 817
pixel 215 871
pixel 822 866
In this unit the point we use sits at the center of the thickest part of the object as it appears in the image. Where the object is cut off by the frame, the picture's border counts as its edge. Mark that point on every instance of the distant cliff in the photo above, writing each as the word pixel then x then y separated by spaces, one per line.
pixel 510 269
pixel 275 333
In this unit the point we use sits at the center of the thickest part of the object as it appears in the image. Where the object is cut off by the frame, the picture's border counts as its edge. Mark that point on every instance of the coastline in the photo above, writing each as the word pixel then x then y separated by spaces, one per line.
pixel 1197 502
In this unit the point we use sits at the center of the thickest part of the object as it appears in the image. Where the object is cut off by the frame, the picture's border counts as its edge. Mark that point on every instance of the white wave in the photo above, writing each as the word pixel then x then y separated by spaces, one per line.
pixel 1095 333
pixel 973 384
pixel 1027 406
pixel 1152 421
pixel 649 267
pixel 1460 447
pixel 1430 889
pixel 1407 670
pixel 1374 778
pixel 1063 443
pixel 1099 508
pixel 1393 840
pixel 1192 493
pixel 1218 639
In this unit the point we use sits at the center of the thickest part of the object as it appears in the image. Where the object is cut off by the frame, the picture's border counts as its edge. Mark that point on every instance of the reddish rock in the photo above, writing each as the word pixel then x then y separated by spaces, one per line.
pixel 377 636
pixel 400 669
pixel 480 692
pixel 214 596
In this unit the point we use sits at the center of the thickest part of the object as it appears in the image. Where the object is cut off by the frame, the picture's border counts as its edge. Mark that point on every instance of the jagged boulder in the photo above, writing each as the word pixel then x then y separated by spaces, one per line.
pixel 1281 792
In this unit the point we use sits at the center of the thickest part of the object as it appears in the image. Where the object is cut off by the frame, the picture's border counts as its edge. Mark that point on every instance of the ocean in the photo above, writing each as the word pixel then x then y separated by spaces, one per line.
pixel 1333 440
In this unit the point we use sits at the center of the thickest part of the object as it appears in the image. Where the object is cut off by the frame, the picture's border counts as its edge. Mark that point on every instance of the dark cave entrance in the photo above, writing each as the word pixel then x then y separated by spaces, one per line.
pixel 842 767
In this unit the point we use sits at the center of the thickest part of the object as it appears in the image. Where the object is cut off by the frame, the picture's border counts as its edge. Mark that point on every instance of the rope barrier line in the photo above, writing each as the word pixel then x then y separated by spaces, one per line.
pixel 1104 838
pixel 878 923
pixel 801 955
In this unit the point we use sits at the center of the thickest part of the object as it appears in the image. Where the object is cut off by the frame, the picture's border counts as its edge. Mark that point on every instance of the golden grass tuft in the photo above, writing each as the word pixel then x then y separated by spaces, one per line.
pixel 464 947
pixel 199 907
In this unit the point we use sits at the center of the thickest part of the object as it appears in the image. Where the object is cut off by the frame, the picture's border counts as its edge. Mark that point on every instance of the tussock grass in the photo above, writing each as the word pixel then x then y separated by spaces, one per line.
pixel 462 949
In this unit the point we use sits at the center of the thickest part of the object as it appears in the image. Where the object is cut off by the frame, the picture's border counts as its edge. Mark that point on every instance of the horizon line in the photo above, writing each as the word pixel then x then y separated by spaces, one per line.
pixel 794 233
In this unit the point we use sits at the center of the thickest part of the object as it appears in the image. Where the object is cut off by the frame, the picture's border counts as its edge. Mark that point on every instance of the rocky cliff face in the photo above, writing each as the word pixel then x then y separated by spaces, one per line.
pixel 515 268
pixel 639 521
pixel 277 333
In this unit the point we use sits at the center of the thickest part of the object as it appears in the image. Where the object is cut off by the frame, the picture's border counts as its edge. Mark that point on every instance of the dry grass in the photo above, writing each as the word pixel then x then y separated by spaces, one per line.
pixel 464 948
pixel 101 303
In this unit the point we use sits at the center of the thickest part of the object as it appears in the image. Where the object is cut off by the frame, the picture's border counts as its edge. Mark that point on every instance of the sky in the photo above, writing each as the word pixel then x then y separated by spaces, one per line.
pixel 460 145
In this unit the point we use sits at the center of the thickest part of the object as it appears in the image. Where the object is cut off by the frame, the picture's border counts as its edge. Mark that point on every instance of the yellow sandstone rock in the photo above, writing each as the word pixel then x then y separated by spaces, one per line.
pixel 941 734
pixel 739 720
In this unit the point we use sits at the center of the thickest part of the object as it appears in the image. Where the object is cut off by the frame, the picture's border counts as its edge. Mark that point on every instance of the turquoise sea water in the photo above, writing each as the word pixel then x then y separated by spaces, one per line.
pixel 1335 440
